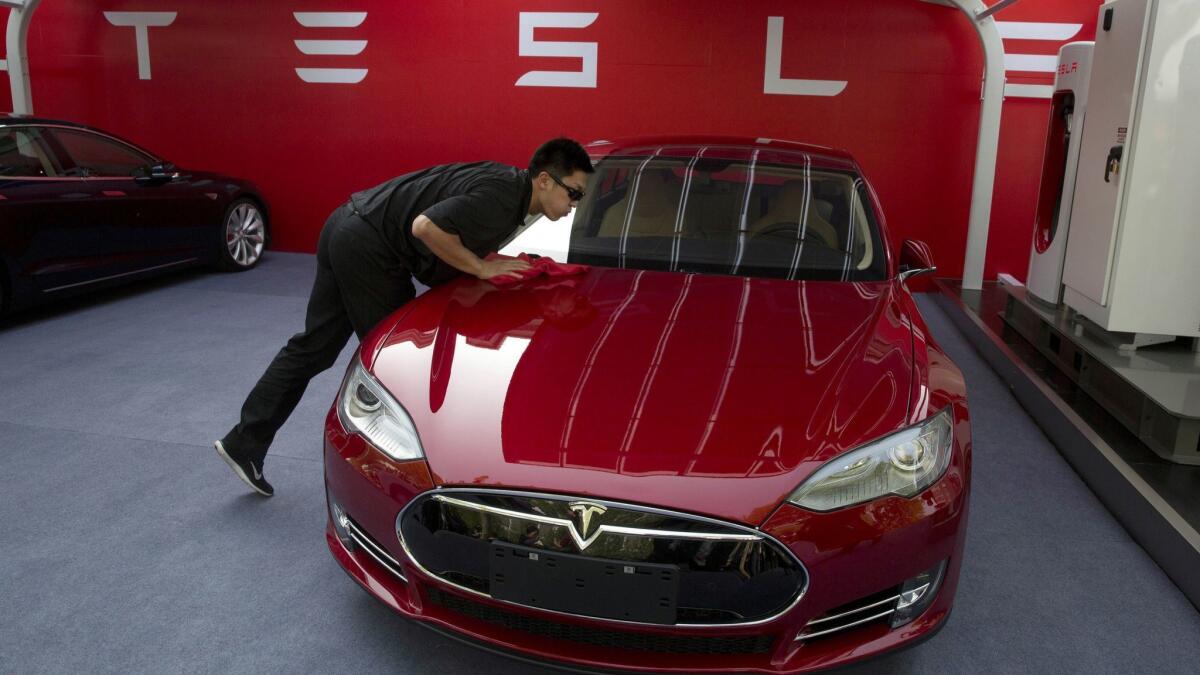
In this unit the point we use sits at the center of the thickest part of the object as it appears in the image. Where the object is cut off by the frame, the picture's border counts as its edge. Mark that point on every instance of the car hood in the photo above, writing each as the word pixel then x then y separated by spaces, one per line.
pixel 709 394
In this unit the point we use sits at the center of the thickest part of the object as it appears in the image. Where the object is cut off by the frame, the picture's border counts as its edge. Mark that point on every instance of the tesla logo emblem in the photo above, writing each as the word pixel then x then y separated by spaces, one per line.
pixel 585 511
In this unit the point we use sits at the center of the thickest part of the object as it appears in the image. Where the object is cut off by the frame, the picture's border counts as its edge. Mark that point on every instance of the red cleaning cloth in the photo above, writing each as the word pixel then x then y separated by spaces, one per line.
pixel 537 267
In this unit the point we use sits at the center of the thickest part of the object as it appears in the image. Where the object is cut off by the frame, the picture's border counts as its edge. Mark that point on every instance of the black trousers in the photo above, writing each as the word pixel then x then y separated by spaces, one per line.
pixel 359 282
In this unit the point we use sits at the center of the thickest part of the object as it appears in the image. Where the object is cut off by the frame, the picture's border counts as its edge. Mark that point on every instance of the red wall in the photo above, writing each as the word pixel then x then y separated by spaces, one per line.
pixel 224 94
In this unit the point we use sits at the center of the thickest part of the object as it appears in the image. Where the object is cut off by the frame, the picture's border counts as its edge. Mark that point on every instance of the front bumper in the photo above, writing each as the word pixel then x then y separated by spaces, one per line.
pixel 857 554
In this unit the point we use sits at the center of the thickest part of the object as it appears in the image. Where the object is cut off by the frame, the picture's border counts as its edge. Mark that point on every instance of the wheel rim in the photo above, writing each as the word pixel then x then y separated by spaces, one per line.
pixel 245 234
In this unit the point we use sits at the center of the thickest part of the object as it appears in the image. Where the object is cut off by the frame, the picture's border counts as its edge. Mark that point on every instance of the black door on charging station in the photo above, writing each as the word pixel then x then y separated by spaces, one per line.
pixel 1054 170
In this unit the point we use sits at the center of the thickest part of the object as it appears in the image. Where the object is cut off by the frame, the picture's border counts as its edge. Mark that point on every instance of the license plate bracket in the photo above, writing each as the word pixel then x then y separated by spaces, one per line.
pixel 565 582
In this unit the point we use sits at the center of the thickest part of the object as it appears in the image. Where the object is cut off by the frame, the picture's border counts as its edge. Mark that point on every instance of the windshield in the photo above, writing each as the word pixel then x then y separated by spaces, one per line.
pixel 723 211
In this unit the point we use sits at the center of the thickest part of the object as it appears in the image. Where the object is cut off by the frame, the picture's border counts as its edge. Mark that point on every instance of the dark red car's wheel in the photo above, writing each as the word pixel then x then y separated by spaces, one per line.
pixel 243 236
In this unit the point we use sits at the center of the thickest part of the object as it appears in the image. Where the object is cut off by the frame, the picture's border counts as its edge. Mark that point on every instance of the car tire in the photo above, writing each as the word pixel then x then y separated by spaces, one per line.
pixel 243 236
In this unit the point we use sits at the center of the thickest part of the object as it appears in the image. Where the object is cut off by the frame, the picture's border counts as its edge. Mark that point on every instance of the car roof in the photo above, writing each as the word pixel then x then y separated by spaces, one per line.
pixel 15 118
pixel 784 150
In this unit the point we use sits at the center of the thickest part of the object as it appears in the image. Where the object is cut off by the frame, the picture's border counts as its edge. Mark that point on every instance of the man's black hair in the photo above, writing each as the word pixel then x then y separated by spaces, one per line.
pixel 560 157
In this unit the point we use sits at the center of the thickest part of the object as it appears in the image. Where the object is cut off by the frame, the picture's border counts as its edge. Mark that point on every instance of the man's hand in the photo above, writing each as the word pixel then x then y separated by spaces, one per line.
pixel 500 267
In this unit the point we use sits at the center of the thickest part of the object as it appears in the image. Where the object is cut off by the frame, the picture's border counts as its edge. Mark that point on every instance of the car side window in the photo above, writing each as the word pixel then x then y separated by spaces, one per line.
pixel 99 156
pixel 22 154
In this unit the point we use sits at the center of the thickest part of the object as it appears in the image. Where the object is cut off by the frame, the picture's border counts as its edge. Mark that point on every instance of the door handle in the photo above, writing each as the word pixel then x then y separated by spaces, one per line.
pixel 1113 165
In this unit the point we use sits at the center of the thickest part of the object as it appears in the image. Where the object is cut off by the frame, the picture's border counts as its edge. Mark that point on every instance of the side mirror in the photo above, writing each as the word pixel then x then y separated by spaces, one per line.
pixel 157 174
pixel 915 259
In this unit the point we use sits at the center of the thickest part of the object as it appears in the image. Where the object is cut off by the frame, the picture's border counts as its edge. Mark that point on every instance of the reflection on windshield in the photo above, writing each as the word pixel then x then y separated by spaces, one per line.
pixel 726 211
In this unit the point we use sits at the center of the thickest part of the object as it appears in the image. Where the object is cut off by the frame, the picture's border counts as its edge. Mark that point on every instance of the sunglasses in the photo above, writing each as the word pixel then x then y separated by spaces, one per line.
pixel 573 193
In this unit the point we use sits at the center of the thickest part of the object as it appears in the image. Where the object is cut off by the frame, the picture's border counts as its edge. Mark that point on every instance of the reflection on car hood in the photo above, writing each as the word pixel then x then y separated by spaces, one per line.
pixel 710 394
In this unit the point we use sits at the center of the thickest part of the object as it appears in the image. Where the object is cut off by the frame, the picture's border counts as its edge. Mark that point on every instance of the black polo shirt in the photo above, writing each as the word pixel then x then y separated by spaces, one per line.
pixel 483 203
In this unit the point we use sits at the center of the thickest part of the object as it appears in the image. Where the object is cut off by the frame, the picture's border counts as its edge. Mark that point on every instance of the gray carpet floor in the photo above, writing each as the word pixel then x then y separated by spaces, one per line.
pixel 128 546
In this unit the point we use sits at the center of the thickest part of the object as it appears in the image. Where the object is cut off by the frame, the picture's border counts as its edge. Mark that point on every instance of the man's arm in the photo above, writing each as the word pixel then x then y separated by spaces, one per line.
pixel 450 249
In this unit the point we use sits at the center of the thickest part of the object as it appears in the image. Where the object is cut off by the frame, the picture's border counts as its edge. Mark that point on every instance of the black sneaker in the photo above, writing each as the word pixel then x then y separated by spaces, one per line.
pixel 251 475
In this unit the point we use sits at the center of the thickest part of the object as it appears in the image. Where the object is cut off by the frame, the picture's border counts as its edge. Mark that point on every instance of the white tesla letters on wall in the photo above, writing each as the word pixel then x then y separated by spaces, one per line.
pixel 331 47
pixel 141 22
pixel 587 51
pixel 774 84
pixel 1034 63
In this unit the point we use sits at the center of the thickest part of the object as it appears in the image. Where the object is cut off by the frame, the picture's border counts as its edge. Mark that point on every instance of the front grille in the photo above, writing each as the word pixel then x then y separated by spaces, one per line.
pixel 613 639
pixel 858 613
pixel 600 559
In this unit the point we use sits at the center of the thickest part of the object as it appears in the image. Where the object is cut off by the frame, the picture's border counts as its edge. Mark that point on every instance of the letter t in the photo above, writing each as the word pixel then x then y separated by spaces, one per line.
pixel 141 22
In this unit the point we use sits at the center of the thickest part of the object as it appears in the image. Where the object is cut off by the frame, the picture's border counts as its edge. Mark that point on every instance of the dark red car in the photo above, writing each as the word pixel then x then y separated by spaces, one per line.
pixel 729 445
pixel 82 209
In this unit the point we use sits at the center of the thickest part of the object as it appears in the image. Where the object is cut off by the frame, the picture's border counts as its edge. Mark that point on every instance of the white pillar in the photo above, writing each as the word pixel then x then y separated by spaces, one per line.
pixel 16 60
pixel 985 150
pixel 988 141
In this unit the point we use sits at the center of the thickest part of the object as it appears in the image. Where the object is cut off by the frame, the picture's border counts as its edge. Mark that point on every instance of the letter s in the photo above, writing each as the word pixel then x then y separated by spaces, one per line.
pixel 587 51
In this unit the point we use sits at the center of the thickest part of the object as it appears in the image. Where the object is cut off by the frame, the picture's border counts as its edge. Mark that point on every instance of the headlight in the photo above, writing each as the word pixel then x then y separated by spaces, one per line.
pixel 366 408
pixel 903 463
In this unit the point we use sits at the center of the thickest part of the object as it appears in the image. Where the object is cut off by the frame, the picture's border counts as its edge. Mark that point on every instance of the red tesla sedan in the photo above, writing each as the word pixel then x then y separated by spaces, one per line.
pixel 731 444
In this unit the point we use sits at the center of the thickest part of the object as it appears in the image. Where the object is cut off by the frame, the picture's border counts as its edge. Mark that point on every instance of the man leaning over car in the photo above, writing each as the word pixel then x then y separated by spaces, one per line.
pixel 432 225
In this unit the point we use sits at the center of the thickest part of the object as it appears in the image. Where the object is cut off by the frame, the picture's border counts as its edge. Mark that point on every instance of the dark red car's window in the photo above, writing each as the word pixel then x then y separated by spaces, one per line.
pixel 100 156
pixel 22 153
